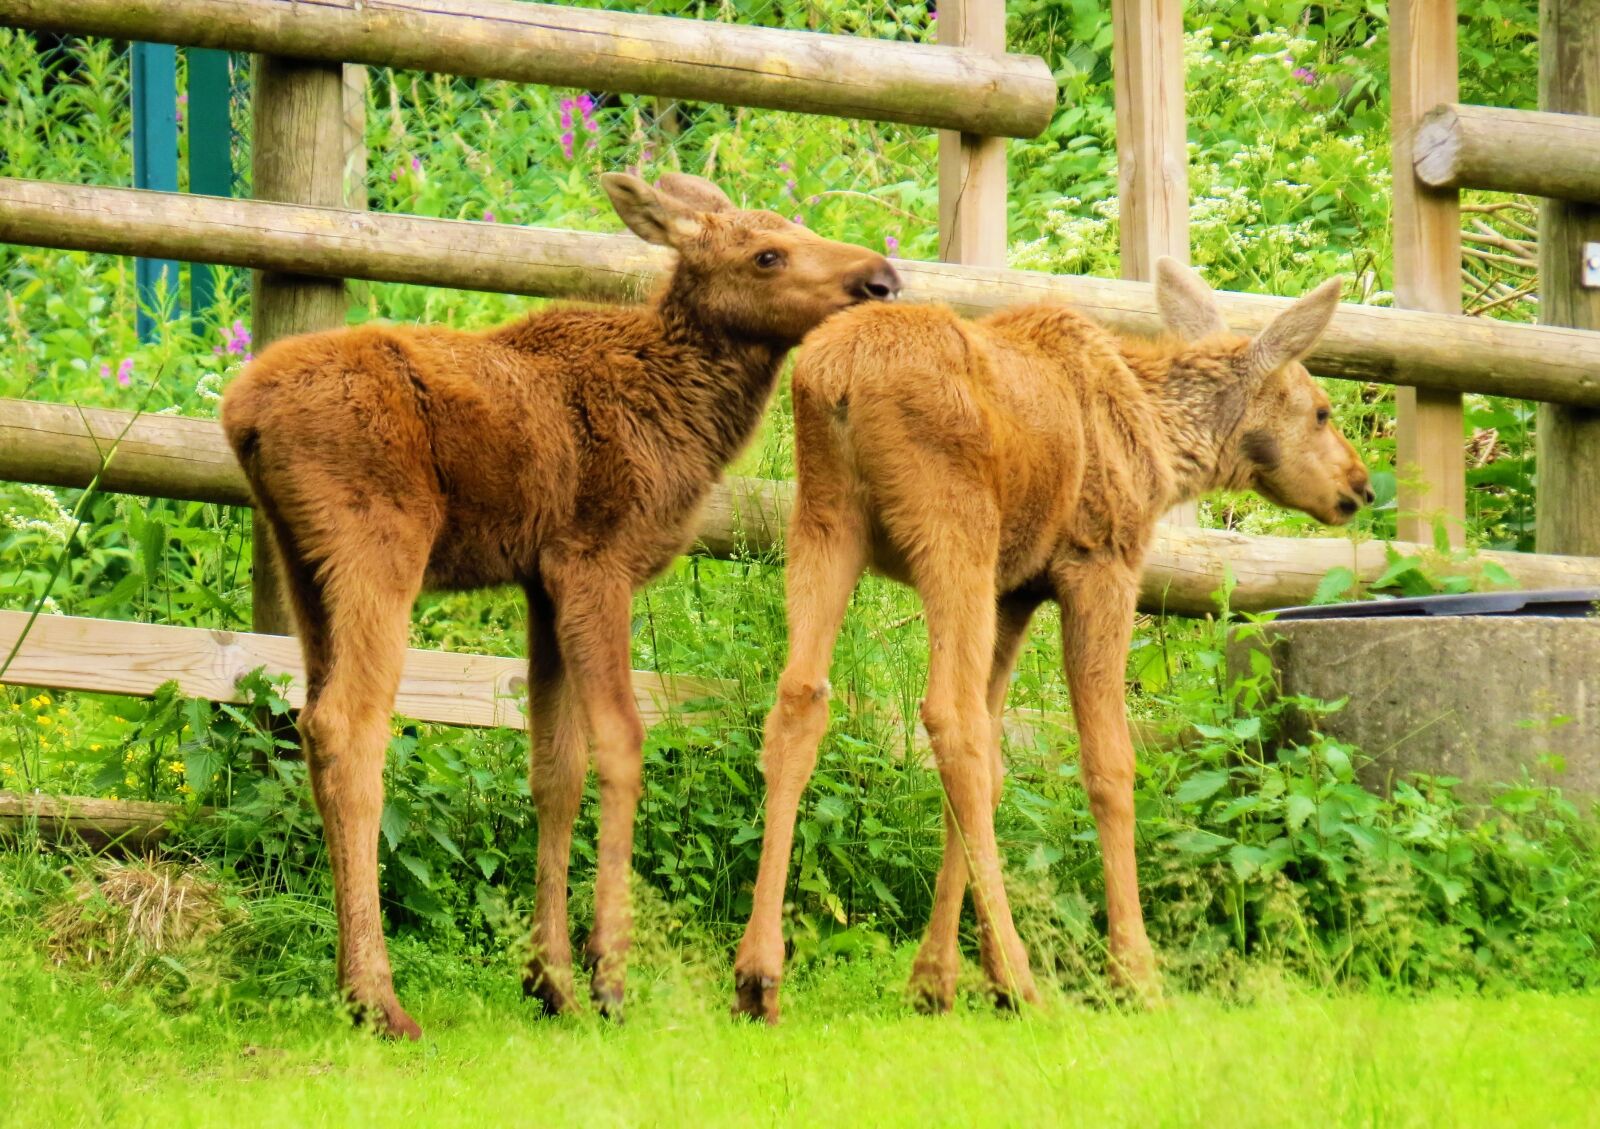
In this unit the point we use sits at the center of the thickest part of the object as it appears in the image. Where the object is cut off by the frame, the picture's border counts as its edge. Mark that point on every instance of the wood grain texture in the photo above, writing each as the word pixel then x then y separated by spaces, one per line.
pixel 115 657
pixel 298 152
pixel 698 60
pixel 1364 342
pixel 972 168
pixel 1568 504
pixel 1430 449
pixel 171 456
pixel 1530 151
pixel 123 825
pixel 1152 147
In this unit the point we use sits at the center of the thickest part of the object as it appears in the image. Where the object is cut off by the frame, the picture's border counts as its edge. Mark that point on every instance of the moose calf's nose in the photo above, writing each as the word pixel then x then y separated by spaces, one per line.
pixel 880 284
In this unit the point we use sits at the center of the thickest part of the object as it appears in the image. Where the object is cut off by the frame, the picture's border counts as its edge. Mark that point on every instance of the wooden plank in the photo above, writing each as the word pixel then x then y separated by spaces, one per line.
pixel 171 456
pixel 298 151
pixel 1529 151
pixel 1568 504
pixel 972 168
pixel 1365 342
pixel 697 60
pixel 1152 147
pixel 116 657
pixel 1430 451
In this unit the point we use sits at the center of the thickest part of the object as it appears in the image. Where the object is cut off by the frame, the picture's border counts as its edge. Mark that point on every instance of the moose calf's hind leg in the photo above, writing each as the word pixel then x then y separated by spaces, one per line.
pixel 592 625
pixel 346 734
pixel 557 762
pixel 933 976
pixel 825 560
pixel 959 602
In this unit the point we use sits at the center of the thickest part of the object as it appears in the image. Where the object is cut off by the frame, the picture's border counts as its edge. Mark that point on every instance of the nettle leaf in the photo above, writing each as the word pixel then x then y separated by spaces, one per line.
pixel 394 824
pixel 1197 842
pixel 1201 786
pixel 1333 585
pixel 444 840
pixel 418 868
pixel 488 862
pixel 1298 809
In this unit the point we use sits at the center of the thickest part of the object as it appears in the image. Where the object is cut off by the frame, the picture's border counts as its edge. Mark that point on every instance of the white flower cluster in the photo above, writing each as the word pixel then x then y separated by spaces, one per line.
pixel 51 520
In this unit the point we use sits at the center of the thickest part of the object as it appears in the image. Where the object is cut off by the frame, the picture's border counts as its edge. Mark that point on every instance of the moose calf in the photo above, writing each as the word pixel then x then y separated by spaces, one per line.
pixel 568 453
pixel 993 465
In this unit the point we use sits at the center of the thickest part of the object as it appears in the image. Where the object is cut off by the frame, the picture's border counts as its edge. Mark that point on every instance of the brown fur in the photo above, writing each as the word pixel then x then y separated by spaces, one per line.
pixel 567 453
pixel 993 465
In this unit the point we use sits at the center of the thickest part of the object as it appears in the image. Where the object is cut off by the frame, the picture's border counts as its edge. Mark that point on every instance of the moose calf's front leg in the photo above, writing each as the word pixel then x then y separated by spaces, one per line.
pixel 1097 621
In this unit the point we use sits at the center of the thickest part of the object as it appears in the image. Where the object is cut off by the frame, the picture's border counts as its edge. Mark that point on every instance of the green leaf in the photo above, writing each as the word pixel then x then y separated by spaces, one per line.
pixel 1197 842
pixel 444 840
pixel 488 862
pixel 417 867
pixel 1298 809
pixel 1202 785
pixel 394 824
pixel 1335 584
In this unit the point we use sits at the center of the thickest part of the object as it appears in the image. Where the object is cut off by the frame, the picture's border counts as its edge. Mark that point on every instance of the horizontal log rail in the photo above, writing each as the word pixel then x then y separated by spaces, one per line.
pixel 125 826
pixel 1529 151
pixel 1464 354
pixel 117 657
pixel 186 458
pixel 838 75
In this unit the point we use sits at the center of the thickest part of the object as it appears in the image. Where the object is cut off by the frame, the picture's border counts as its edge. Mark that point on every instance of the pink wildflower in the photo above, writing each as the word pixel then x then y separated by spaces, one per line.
pixel 125 372
pixel 891 244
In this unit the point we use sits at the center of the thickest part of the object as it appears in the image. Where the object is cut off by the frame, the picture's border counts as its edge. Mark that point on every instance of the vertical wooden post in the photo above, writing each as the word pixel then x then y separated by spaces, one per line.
pixel 972 169
pixel 1568 438
pixel 298 156
pixel 1152 145
pixel 155 165
pixel 1430 452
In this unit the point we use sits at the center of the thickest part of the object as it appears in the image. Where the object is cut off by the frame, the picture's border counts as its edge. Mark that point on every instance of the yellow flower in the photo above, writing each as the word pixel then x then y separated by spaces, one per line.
pixel 62 710
pixel 176 768
pixel 131 780
pixel 185 790
pixel 46 720
pixel 7 770
pixel 127 757
pixel 94 748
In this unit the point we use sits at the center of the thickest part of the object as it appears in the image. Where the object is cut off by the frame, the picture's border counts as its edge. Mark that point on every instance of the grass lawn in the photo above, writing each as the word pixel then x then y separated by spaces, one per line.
pixel 73 1052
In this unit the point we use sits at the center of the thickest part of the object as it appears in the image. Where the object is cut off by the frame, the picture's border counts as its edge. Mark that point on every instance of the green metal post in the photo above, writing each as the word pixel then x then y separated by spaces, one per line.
pixel 210 156
pixel 155 165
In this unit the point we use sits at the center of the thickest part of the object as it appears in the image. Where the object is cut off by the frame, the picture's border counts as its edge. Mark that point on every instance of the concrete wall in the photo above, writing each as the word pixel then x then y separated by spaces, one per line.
pixel 1483 698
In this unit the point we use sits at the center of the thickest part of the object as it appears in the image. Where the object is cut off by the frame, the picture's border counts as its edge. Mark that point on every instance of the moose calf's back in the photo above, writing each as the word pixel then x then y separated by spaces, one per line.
pixel 1035 407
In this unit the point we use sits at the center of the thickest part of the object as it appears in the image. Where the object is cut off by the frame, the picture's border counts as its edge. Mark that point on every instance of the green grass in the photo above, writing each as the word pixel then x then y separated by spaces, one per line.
pixel 73 1052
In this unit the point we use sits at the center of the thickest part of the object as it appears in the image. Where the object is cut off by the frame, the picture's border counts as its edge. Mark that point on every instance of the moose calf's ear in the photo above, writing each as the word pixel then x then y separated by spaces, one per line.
pixel 695 191
pixel 653 216
pixel 1187 306
pixel 1291 334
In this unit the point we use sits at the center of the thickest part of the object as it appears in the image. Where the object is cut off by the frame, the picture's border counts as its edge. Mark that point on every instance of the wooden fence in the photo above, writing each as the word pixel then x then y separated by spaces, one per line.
pixel 305 242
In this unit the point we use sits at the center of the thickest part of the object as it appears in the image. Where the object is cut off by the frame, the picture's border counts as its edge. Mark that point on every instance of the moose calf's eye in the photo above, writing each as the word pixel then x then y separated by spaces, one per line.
pixel 1322 416
pixel 768 259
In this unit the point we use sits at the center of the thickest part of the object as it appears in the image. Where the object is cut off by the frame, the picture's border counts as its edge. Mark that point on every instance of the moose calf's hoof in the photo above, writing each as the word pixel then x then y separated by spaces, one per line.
pixel 387 1019
pixel 553 991
pixel 933 990
pixel 756 997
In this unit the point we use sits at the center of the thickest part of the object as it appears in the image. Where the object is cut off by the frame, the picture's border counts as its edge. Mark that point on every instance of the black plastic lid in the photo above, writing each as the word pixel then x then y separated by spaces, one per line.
pixel 1568 602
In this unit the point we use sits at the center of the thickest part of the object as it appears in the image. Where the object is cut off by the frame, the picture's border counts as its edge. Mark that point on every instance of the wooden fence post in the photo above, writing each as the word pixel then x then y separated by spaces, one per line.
pixel 972 169
pixel 1430 455
pixel 1152 146
pixel 1568 438
pixel 297 156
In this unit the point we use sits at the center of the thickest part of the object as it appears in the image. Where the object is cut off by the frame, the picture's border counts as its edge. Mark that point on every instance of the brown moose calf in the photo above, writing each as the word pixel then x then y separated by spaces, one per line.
pixel 993 465
pixel 569 453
